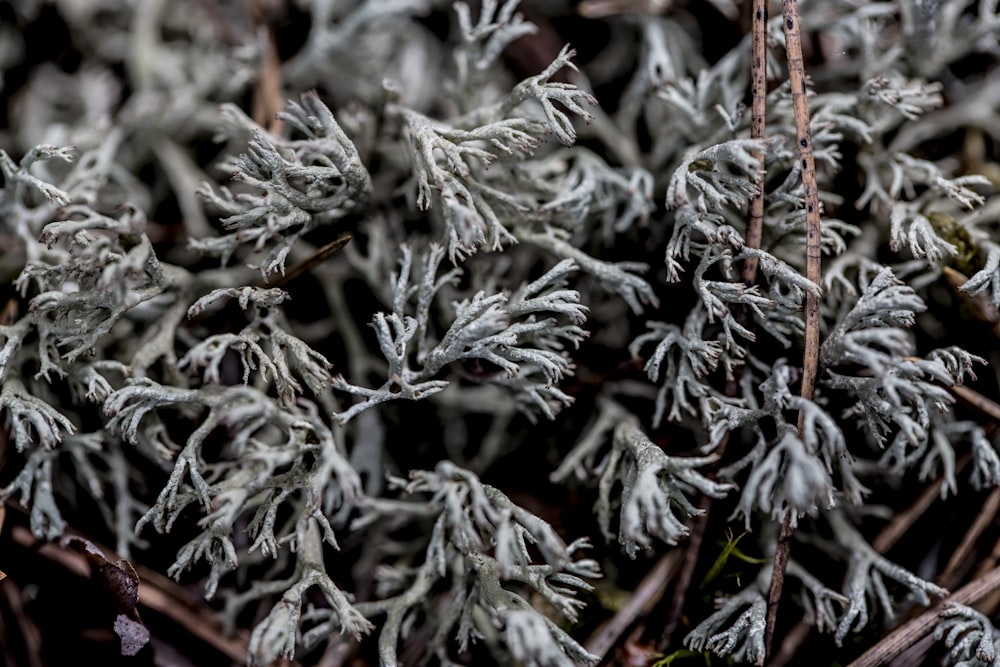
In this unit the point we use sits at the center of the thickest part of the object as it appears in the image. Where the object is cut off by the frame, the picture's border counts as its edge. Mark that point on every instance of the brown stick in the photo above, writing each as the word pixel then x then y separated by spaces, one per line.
pixel 758 107
pixel 338 652
pixel 989 604
pixel 156 592
pixel 754 234
pixel 961 556
pixel 785 655
pixel 885 540
pixel 977 401
pixel 310 262
pixel 781 555
pixel 810 360
pixel 903 521
pixel 910 633
pixel 685 575
pixel 796 75
pixel 649 591
pixel 979 306
pixel 268 99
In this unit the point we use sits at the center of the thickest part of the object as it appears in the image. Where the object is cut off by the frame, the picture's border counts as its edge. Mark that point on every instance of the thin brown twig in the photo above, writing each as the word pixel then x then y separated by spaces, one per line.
pixel 979 306
pixel 338 652
pixel 916 653
pixel 30 635
pixel 786 653
pixel 913 631
pixel 887 538
pixel 989 604
pixel 268 98
pixel 903 521
pixel 650 590
pixel 754 234
pixel 696 537
pixel 796 75
pixel 197 622
pixel 976 400
pixel 685 573
pixel 310 262
pixel 810 359
pixel 156 592
pixel 960 557
pixel 758 107
pixel 782 552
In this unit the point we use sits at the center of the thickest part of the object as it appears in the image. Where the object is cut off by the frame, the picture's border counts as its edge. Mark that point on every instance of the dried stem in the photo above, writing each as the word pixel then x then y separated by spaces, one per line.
pixel 903 521
pixel 989 604
pixel 156 592
pixel 800 107
pixel 754 233
pixel 646 594
pixel 309 263
pixel 961 558
pixel 786 654
pixel 980 307
pixel 268 98
pixel 781 554
pixel 758 82
pixel 692 556
pixel 910 633
pixel 977 401
pixel 796 74
pixel 885 540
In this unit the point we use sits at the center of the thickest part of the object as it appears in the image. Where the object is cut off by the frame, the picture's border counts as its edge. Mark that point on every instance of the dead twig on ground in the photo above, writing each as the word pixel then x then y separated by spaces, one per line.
pixel 810 360
pixel 913 631
pixel 650 590
pixel 156 592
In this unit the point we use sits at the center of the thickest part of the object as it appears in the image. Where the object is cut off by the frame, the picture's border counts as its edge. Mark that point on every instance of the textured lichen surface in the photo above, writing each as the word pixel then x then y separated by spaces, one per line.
pixel 412 332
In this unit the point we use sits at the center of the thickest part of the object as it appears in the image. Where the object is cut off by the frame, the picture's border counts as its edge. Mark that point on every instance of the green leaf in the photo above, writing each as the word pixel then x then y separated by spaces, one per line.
pixel 729 549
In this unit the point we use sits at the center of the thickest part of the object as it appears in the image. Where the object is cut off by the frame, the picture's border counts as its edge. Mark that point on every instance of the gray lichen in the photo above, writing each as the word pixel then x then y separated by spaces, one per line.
pixel 535 273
